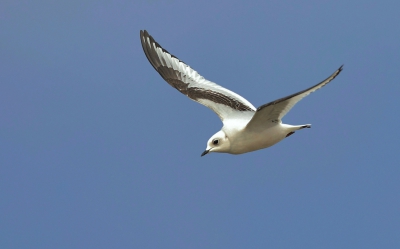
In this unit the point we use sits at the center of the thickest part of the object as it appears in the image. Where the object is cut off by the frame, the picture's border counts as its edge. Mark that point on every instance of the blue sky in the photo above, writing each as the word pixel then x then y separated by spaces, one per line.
pixel 97 151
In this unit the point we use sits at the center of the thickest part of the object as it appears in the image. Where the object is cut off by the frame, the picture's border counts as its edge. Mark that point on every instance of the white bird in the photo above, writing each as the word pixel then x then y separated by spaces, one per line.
pixel 245 128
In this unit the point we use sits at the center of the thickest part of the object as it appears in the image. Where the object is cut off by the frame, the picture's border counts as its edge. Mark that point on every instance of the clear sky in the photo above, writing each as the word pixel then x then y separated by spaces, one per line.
pixel 97 151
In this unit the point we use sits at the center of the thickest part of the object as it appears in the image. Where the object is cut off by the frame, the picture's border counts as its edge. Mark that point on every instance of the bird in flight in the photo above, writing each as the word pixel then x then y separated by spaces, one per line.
pixel 245 128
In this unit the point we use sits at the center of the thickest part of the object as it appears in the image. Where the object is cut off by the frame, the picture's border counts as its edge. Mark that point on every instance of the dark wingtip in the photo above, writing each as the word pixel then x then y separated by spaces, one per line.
pixel 144 33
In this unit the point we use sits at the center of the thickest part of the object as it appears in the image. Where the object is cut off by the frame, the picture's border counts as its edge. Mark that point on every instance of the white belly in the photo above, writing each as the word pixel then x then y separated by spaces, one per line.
pixel 249 141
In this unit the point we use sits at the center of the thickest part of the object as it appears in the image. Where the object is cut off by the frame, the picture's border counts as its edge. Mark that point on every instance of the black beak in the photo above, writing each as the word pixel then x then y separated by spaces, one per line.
pixel 205 152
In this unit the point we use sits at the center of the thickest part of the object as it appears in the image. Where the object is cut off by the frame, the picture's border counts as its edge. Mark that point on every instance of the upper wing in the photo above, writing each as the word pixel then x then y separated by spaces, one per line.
pixel 274 111
pixel 186 80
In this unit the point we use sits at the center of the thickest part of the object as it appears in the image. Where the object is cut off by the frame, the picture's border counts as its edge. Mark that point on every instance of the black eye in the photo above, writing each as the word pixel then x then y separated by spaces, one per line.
pixel 215 142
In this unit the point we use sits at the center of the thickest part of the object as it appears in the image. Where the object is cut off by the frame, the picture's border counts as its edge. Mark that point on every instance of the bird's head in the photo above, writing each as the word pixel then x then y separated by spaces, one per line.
pixel 219 142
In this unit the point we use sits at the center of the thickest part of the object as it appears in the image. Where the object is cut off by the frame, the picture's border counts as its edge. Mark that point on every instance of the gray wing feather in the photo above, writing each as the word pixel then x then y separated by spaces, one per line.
pixel 274 111
pixel 186 80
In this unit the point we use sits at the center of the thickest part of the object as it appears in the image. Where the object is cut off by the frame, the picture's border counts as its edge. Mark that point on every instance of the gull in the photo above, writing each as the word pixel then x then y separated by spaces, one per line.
pixel 245 128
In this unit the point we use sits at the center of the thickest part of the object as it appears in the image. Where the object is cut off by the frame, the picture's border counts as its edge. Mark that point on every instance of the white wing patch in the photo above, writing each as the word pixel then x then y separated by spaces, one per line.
pixel 186 80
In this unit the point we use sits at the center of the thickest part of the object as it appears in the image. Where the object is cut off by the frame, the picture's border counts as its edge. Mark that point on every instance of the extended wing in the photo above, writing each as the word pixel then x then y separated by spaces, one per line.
pixel 186 80
pixel 274 111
